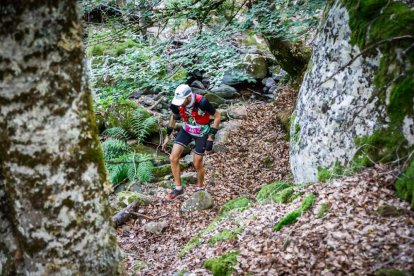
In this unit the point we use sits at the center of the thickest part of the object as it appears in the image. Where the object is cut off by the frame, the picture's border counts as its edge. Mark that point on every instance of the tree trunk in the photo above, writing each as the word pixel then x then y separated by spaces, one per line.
pixel 55 216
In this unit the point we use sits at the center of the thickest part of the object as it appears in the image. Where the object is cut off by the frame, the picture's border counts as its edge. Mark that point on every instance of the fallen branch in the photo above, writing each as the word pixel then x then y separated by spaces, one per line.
pixel 123 216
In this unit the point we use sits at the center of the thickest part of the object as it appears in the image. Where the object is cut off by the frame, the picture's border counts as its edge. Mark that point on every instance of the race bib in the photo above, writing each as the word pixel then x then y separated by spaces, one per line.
pixel 196 130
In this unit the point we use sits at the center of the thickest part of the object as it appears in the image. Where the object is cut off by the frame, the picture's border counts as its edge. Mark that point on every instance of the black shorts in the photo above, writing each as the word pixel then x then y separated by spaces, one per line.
pixel 183 138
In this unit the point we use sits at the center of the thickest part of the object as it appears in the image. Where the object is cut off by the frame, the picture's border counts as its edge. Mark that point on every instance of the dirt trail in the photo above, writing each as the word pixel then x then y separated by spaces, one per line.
pixel 256 154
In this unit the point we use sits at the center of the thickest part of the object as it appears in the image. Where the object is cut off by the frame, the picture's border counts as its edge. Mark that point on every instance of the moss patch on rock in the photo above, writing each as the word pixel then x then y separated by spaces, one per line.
pixel 225 235
pixel 237 204
pixel 291 218
pixel 223 265
pixel 370 22
pixel 278 191
pixel 405 184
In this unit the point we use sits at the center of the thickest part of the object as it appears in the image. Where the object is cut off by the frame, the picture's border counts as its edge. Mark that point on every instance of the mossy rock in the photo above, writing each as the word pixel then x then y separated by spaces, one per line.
pixel 405 185
pixel 256 66
pixel 125 198
pixel 200 200
pixel 237 204
pixel 223 265
pixel 214 99
pixel 164 170
pixel 370 23
pixel 274 192
pixel 120 114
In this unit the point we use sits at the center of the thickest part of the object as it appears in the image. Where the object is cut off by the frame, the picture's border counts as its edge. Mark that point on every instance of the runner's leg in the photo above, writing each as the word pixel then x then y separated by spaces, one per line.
pixel 199 150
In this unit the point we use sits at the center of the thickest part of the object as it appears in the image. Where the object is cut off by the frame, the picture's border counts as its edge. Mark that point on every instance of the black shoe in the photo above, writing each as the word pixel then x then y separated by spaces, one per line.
pixel 174 194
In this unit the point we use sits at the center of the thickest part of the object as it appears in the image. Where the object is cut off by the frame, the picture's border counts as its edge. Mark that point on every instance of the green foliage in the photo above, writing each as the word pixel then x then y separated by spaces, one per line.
pixel 338 170
pixel 293 216
pixel 405 184
pixel 223 265
pixel 225 235
pixel 116 133
pixel 141 125
pixel 113 148
pixel 278 191
pixel 130 166
pixel 235 205
pixel 123 164
pixel 285 19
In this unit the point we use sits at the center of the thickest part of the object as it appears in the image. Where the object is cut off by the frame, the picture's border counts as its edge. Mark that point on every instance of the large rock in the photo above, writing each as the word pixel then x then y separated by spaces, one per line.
pixel 225 91
pixel 348 109
pixel 223 134
pixel 255 65
pixel 214 99
pixel 200 200
pixel 123 199
pixel 155 227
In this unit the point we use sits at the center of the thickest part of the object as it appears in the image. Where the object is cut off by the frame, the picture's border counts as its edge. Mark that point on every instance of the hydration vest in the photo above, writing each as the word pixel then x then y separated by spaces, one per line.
pixel 202 118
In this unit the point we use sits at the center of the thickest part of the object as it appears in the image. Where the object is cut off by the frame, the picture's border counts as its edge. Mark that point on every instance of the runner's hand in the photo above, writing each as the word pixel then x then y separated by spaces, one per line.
pixel 164 145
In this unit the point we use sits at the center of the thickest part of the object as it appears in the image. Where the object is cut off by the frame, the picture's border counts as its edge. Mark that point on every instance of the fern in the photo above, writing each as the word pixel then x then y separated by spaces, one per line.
pixel 117 133
pixel 112 148
pixel 141 125
pixel 130 166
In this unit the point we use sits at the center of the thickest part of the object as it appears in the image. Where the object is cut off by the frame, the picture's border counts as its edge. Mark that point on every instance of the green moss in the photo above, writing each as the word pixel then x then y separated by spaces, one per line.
pixel 389 211
pixel 272 191
pixel 339 170
pixel 372 21
pixel 405 184
pixel 323 210
pixel 293 216
pixel 238 204
pixel 225 235
pixel 328 173
pixel 196 240
pixel 296 134
pixel 392 272
pixel 223 265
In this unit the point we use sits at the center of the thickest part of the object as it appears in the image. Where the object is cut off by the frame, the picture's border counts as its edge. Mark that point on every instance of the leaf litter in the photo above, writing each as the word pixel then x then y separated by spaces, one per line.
pixel 350 238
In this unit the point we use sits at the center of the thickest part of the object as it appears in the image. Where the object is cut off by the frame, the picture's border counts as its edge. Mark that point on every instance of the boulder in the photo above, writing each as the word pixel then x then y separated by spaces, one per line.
pixel 155 227
pixel 255 65
pixel 268 82
pixel 123 199
pixel 223 134
pixel 238 112
pixel 189 177
pixel 214 99
pixel 233 77
pixel 200 200
pixel 198 84
pixel 225 91
pixel 199 91
pixel 361 114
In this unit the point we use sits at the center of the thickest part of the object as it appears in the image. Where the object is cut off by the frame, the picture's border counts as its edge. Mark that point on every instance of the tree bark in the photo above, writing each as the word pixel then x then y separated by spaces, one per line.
pixel 54 210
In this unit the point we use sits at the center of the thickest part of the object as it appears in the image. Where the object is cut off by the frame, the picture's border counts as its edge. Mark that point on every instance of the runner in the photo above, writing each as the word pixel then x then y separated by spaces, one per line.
pixel 195 112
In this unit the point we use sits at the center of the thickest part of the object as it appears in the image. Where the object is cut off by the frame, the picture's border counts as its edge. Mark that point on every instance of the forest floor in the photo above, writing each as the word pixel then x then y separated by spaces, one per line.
pixel 351 238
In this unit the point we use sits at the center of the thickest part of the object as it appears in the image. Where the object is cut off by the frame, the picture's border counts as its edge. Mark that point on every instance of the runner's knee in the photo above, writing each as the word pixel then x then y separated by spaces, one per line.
pixel 198 163
pixel 174 158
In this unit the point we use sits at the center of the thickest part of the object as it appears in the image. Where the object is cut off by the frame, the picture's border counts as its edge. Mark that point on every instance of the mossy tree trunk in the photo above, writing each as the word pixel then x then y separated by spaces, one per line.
pixel 55 216
pixel 292 57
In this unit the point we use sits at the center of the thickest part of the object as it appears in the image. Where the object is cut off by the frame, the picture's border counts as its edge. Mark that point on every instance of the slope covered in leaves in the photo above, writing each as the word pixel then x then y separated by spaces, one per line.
pixel 343 232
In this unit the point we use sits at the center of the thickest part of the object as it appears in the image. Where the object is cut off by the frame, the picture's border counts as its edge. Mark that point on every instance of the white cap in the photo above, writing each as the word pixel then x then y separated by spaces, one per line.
pixel 181 92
